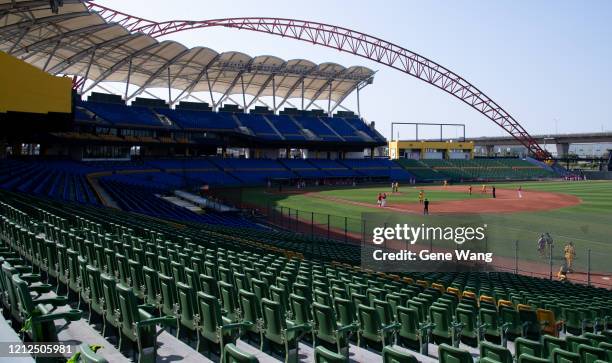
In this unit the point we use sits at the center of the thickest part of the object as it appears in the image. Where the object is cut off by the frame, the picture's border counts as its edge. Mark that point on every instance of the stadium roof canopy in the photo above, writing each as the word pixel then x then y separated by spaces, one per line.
pixel 77 42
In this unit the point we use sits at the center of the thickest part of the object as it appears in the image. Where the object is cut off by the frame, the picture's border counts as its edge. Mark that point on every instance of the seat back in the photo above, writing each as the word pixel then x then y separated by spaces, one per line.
pixel 393 355
pixel 345 311
pixel 324 355
pixel 449 354
pixel 95 286
pixel 260 288
pixel 528 358
pixel 526 346
pixel 589 354
pixel 280 295
pixel 235 355
pixel 249 306
pixel 385 313
pixel 274 320
pixel 325 322
pixel 229 301
pixel 550 343
pixel 574 341
pixel 209 285
pixel 301 309
pixel 129 310
pixel 563 356
pixel 167 287
pixel 210 316
pixel 440 318
pixel 187 302
pixel 490 318
pixel 369 322
pixel 110 298
pixel 151 282
pixel 495 352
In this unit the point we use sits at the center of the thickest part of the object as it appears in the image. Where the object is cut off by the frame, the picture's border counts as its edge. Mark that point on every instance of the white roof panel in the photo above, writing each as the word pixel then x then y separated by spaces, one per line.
pixel 77 42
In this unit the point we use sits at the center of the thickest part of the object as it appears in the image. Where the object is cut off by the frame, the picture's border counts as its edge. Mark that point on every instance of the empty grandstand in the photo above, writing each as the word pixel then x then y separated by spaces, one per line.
pixel 125 235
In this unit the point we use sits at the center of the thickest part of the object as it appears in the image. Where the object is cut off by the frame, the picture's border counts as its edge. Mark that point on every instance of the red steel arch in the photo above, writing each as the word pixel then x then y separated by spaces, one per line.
pixel 350 41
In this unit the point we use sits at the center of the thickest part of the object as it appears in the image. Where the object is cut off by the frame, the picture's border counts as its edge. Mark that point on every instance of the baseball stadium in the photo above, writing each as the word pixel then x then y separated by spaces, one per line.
pixel 162 200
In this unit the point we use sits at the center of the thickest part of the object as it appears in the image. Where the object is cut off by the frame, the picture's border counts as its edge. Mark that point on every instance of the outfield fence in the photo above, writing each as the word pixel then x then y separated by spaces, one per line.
pixel 520 257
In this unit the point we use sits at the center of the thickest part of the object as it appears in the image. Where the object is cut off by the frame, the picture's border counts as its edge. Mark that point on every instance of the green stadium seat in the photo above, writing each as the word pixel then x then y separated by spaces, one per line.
pixel 371 331
pixel 139 325
pixel 327 329
pixel 528 358
pixel 490 321
pixel 250 308
pixel 188 310
pixel 563 356
pixel 324 355
pixel 449 354
pixel 232 354
pixel 573 342
pixel 589 354
pixel 526 346
pixel 281 331
pixel 495 353
pixel 608 348
pixel 393 355
pixel 550 343
pixel 216 329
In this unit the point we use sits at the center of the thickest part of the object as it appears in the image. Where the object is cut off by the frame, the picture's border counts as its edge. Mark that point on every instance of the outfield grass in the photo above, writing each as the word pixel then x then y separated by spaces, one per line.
pixel 588 225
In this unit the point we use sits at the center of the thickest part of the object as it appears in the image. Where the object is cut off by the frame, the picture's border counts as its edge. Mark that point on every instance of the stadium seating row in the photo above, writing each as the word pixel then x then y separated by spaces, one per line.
pixel 475 169
pixel 214 286
pixel 266 127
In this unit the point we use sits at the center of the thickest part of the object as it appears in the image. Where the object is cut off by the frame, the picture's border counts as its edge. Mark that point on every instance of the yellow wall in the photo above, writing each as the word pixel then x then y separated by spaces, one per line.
pixel 25 88
pixel 395 146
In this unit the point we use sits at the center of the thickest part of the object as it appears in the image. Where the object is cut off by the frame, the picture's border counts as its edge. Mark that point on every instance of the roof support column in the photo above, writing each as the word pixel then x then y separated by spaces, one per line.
pixel 243 95
pixel 302 94
pixel 358 105
pixel 51 55
pixel 273 94
pixel 93 56
pixel 127 83
pixel 212 98
pixel 169 87
pixel 329 100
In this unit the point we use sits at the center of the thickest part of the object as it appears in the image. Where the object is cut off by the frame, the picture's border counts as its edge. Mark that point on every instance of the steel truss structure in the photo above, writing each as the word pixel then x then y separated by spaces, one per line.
pixel 148 75
pixel 350 41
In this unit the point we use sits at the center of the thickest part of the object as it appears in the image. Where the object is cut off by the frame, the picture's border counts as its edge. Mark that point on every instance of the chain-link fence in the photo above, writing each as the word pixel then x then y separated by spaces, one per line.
pixel 316 224
pixel 583 261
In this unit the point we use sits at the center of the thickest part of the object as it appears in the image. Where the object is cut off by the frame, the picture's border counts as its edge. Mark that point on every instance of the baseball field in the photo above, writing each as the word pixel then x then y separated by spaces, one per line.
pixel 578 212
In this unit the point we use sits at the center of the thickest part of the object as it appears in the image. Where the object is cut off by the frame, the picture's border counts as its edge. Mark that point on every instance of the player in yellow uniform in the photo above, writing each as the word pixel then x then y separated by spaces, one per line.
pixel 569 252
pixel 421 196
pixel 484 189
pixel 445 183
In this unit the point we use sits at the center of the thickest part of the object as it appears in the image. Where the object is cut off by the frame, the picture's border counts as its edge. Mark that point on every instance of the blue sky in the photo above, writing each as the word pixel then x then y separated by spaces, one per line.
pixel 540 60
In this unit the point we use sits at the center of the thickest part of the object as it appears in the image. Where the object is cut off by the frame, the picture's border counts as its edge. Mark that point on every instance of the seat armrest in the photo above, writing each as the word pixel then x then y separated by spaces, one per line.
pixel 41 289
pixel 350 327
pixel 29 277
pixel 392 326
pixel 55 301
pixel 299 327
pixel 162 320
pixel 72 315
pixel 149 308
pixel 233 326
